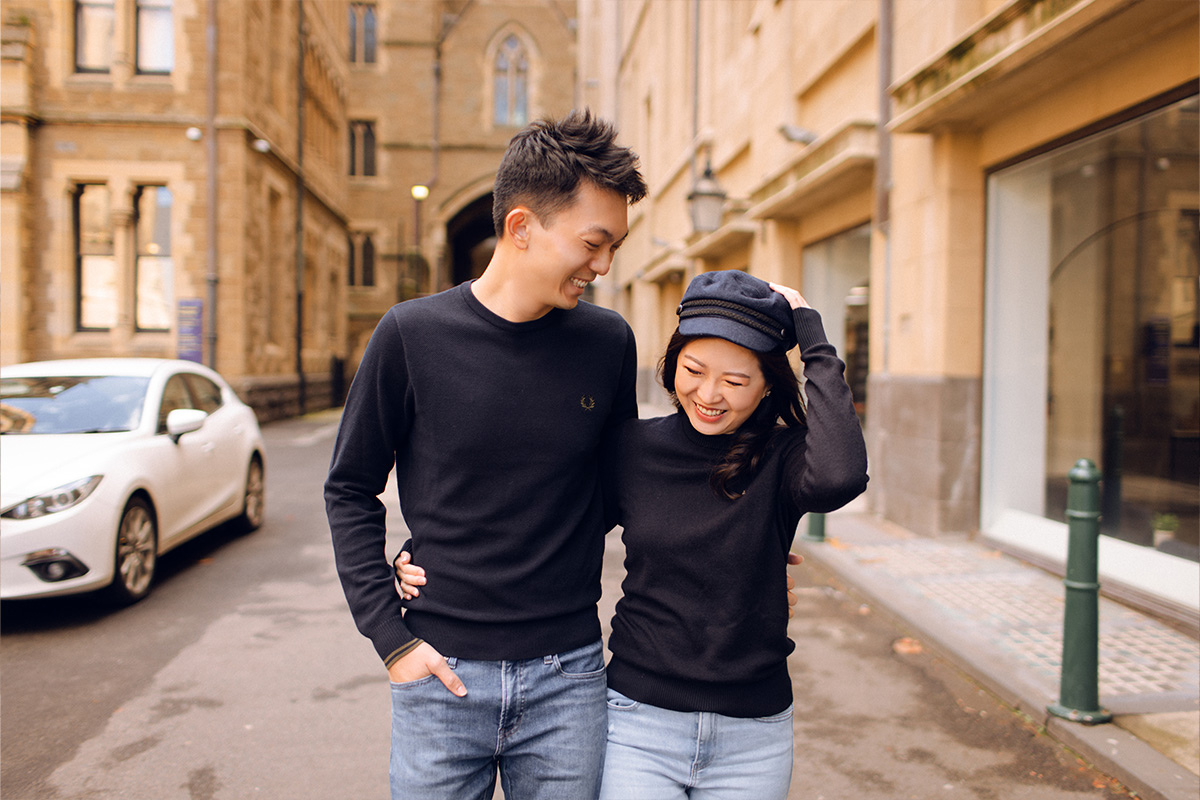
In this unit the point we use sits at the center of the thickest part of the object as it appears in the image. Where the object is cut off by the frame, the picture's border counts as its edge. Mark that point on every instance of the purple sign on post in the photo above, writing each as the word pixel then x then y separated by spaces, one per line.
pixel 190 331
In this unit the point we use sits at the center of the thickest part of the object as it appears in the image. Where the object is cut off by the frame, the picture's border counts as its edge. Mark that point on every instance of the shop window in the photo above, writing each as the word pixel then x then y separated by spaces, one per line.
pixel 363 35
pixel 510 80
pixel 95 268
pixel 155 37
pixel 836 275
pixel 95 26
pixel 154 269
pixel 1093 331
pixel 362 147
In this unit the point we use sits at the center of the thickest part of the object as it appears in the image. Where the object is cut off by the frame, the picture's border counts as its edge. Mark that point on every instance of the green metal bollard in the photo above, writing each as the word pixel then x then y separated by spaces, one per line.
pixel 1079 692
pixel 816 528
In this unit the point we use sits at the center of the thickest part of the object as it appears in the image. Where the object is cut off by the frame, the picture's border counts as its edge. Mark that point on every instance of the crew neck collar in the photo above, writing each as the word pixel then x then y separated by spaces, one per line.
pixel 494 319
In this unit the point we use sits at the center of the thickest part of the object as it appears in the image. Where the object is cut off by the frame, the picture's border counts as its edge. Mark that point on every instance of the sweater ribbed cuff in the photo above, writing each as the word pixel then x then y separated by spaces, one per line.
pixel 809 330
pixel 401 652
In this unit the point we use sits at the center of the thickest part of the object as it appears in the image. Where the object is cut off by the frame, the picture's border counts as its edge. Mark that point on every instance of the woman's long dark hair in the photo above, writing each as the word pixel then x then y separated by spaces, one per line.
pixel 751 441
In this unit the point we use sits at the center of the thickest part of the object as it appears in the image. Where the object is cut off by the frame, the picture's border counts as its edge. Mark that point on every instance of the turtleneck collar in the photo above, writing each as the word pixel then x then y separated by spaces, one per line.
pixel 719 442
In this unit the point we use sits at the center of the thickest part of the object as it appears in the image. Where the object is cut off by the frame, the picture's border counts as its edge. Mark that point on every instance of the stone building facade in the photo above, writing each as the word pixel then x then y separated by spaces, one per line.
pixel 993 204
pixel 450 83
pixel 304 123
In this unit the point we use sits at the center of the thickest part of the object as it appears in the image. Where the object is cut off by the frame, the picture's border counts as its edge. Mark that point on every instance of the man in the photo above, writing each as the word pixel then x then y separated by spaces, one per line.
pixel 492 399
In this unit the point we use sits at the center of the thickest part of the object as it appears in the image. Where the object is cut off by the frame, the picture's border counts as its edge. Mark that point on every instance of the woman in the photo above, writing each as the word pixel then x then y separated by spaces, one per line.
pixel 699 700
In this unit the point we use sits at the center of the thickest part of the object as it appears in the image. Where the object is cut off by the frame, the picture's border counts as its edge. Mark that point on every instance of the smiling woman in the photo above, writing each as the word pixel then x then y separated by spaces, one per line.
pixel 718 384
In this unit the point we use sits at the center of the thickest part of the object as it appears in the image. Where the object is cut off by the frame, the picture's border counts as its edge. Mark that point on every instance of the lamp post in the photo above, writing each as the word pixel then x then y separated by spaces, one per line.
pixel 419 193
pixel 706 202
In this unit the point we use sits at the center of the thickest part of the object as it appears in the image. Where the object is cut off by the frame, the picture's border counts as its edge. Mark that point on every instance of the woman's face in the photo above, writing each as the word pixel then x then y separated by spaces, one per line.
pixel 718 384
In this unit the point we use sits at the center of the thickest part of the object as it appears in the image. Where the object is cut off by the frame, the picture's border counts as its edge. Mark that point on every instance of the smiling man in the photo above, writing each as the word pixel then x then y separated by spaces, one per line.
pixel 492 399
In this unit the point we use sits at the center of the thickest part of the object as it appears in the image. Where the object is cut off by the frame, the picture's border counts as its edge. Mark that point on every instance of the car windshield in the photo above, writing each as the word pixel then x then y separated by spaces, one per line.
pixel 71 404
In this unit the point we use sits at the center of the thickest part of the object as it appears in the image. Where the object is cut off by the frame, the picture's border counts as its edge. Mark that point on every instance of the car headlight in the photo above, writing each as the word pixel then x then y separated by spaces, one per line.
pixel 55 500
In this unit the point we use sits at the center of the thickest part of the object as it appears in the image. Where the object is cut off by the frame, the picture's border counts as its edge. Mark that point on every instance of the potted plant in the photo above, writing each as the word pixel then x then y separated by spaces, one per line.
pixel 1165 524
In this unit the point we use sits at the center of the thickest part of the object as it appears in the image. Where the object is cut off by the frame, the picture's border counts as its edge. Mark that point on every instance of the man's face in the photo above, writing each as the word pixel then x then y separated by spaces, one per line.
pixel 575 248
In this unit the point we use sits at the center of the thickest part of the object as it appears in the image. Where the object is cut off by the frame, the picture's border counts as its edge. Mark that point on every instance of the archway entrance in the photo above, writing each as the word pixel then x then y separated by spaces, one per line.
pixel 470 240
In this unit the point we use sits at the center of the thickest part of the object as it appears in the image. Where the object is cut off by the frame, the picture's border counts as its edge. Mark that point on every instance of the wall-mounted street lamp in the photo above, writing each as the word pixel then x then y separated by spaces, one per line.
pixel 706 202
pixel 420 192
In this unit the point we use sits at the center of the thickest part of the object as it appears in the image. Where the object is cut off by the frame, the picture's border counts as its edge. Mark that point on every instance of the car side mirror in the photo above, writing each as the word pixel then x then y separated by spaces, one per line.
pixel 184 420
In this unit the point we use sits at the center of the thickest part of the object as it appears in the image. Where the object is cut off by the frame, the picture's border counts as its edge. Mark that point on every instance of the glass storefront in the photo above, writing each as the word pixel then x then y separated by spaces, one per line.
pixel 1093 329
pixel 836 275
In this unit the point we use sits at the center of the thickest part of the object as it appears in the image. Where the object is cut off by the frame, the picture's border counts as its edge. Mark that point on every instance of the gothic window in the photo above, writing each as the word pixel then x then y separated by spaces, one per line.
pixel 368 261
pixel 362 147
pixel 510 102
pixel 361 270
pixel 362 33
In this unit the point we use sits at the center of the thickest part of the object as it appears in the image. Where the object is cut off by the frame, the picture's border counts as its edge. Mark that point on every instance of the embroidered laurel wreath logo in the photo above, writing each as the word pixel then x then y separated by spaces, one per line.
pixel 587 402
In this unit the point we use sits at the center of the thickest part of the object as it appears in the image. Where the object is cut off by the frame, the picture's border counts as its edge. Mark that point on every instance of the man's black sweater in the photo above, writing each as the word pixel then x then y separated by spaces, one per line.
pixel 702 625
pixel 494 428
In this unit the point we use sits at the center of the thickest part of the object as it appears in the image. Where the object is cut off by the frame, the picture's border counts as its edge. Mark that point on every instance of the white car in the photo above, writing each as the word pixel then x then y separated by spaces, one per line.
pixel 107 463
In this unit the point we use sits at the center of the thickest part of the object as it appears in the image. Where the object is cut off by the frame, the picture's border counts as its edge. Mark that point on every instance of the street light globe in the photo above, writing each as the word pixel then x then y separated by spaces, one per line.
pixel 420 192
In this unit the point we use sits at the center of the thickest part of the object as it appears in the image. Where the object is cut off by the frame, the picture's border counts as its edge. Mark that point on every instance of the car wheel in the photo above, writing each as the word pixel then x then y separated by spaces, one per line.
pixel 137 553
pixel 254 506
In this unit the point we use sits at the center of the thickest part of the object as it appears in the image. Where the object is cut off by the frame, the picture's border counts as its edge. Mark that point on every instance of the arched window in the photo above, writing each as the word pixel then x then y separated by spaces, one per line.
pixel 361 261
pixel 368 261
pixel 510 104
pixel 362 33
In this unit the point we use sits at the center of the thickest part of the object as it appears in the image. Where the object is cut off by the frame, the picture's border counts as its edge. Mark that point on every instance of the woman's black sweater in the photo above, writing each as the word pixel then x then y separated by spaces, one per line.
pixel 702 625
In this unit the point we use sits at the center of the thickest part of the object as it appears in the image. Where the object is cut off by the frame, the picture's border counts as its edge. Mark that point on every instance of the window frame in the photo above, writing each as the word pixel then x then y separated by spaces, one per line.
pixel 80 256
pixel 363 33
pixel 511 69
pixel 80 35
pixel 362 260
pixel 139 258
pixel 141 8
pixel 364 162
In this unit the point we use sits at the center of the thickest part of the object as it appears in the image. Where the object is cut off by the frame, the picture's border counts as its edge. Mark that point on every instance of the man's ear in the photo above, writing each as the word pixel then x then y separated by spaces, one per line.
pixel 516 226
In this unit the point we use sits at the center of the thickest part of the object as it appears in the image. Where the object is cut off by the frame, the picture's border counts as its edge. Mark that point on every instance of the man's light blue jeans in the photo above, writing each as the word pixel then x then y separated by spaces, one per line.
pixel 657 754
pixel 539 722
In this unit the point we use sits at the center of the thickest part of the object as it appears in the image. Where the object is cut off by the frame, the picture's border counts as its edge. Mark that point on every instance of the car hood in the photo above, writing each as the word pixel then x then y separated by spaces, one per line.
pixel 34 463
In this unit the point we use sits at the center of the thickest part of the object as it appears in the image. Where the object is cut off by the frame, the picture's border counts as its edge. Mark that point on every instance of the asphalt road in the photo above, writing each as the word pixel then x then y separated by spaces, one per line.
pixel 242 676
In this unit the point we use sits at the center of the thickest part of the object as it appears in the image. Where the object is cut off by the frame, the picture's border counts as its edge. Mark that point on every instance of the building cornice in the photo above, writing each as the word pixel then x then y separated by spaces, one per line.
pixel 833 165
pixel 736 233
pixel 1015 52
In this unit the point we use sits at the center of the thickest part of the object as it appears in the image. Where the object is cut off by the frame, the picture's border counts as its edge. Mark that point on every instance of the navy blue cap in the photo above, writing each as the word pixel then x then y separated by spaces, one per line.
pixel 739 308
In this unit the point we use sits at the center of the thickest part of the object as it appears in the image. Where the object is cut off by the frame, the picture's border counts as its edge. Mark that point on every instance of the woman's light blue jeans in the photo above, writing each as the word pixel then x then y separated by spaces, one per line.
pixel 539 722
pixel 656 754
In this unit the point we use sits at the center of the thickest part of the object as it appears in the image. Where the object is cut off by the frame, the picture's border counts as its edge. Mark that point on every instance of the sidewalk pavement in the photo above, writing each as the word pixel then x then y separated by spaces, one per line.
pixel 1000 620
